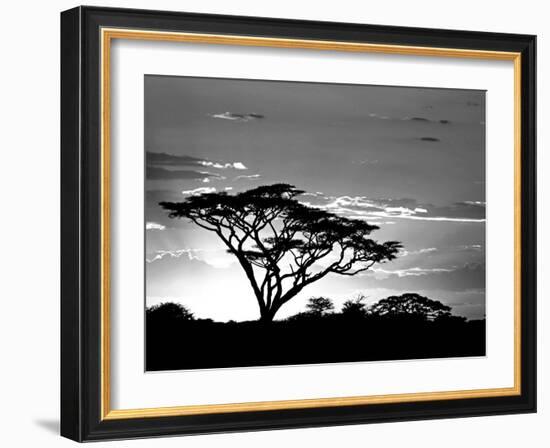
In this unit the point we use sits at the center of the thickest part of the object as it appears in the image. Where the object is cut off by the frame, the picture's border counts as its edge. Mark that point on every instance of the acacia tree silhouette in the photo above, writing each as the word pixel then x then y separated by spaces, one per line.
pixel 267 228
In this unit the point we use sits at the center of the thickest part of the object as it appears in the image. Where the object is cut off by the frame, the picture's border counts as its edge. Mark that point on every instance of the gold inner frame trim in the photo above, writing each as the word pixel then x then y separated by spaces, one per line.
pixel 107 35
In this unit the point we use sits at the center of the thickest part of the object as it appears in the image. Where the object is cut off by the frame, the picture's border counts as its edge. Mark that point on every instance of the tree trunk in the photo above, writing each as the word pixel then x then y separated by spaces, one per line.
pixel 268 314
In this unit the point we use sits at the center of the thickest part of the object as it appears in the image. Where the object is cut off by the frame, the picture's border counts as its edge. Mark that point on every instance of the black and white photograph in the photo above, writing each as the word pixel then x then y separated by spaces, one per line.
pixel 290 220
pixel 303 223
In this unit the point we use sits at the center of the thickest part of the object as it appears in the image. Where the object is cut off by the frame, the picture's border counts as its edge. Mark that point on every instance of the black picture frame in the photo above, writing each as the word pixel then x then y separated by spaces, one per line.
pixel 81 287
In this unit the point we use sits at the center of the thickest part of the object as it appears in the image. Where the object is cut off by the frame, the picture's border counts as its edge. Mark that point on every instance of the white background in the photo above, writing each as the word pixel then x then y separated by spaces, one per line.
pixel 132 388
pixel 29 176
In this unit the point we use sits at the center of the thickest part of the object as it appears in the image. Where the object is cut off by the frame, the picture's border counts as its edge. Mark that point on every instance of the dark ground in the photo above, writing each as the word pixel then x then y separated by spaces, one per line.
pixel 174 344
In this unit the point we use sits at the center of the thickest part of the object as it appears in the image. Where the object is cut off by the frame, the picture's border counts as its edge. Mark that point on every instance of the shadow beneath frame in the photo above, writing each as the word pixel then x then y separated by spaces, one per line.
pixel 49 425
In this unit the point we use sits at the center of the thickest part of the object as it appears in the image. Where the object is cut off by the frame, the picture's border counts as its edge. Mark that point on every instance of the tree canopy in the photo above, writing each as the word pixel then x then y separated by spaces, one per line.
pixel 410 305
pixel 319 305
pixel 355 307
pixel 282 244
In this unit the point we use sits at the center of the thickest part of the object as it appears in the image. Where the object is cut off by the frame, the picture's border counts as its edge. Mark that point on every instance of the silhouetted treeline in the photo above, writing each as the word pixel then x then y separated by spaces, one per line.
pixel 399 327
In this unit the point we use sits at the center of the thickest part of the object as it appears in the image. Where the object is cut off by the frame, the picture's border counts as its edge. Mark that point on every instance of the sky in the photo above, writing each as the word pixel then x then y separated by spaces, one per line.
pixel 410 160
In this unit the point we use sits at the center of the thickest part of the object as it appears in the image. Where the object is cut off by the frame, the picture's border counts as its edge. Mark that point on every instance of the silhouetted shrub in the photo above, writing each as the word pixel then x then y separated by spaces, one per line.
pixel 169 311
pixel 355 308
pixel 410 305
pixel 319 305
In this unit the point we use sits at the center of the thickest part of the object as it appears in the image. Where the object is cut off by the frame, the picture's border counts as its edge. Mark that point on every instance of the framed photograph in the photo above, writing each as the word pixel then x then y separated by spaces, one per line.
pixel 275 224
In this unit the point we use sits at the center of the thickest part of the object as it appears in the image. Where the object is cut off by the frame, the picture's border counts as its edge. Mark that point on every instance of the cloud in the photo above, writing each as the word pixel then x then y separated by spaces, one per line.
pixel 414 260
pixel 478 203
pixel 471 247
pixel 224 166
pixel 154 226
pixel 381 117
pixel 218 259
pixel 251 177
pixel 155 173
pixel 160 254
pixel 416 119
pixel 415 272
pixel 457 278
pixel 429 139
pixel 199 191
pixel 439 218
pixel 368 162
pixel 361 207
pixel 427 120
pixel 165 159
pixel 242 118
pixel 426 250
pixel 164 166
